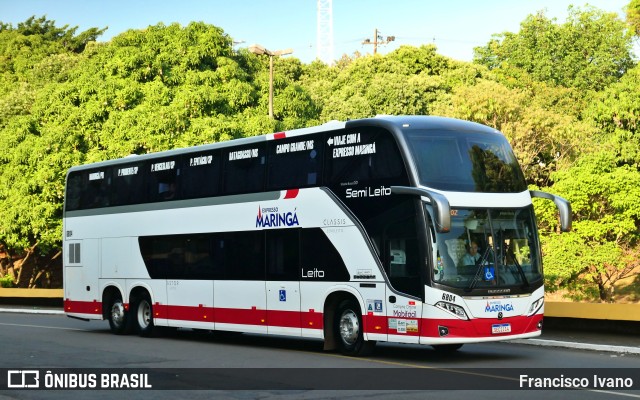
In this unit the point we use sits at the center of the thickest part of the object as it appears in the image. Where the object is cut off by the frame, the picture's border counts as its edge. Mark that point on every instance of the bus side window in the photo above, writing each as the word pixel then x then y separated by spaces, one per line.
pixel 87 189
pixel 244 169
pixel 356 156
pixel 159 255
pixel 283 254
pixel 295 162
pixel 401 256
pixel 198 263
pixel 319 258
pixel 200 175
pixel 74 190
pixel 128 184
pixel 244 255
pixel 162 181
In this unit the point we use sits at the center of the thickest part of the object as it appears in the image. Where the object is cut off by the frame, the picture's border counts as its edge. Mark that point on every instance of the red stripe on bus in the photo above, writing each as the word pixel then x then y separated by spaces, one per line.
pixel 286 319
pixel 279 135
pixel 480 327
pixel 379 324
pixel 292 193
pixel 376 324
pixel 82 307
pixel 312 320
pixel 241 316
pixel 186 313
pixel 160 311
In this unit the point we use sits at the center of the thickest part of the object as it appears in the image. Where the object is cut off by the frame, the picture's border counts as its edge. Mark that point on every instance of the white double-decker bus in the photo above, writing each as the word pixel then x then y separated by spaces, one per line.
pixel 401 229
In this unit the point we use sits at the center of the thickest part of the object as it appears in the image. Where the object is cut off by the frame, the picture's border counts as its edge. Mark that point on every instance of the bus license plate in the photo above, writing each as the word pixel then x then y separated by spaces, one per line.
pixel 500 328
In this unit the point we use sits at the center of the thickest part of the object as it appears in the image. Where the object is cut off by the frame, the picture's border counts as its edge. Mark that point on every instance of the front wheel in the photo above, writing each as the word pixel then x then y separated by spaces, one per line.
pixel 144 315
pixel 350 330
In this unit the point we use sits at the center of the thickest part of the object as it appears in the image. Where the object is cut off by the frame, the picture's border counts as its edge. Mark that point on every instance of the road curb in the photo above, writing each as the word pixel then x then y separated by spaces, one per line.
pixel 578 346
pixel 31 311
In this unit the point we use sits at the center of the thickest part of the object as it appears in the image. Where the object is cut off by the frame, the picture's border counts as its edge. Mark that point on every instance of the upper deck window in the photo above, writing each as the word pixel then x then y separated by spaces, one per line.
pixel 466 161
pixel 362 155
pixel 244 169
pixel 128 185
pixel 295 163
pixel 200 174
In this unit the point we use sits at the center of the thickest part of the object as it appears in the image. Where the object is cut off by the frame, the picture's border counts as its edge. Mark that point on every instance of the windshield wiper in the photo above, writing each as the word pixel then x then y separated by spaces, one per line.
pixel 480 264
pixel 525 281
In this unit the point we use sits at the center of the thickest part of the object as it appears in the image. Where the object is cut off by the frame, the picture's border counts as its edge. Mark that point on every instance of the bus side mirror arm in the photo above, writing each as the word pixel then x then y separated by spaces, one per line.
pixel 439 202
pixel 563 206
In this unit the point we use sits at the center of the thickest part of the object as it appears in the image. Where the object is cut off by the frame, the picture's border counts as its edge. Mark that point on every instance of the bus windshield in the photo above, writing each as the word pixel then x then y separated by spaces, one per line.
pixel 488 248
pixel 465 161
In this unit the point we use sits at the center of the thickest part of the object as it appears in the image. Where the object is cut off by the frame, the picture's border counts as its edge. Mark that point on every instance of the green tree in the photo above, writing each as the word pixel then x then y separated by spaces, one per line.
pixel 144 91
pixel 551 89
pixel 591 50
pixel 294 107
pixel 33 56
pixel 138 93
pixel 633 16
pixel 605 199
pixel 406 81
pixel 616 112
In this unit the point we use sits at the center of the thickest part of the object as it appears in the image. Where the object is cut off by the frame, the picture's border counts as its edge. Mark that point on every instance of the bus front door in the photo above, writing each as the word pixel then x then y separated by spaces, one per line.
pixel 403 316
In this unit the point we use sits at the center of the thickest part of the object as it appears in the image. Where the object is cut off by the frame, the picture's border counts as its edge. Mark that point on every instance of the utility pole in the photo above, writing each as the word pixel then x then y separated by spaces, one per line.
pixel 378 40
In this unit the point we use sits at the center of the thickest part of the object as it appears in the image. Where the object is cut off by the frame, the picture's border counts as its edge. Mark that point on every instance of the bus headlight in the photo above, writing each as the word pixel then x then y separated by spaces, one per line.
pixel 453 309
pixel 535 306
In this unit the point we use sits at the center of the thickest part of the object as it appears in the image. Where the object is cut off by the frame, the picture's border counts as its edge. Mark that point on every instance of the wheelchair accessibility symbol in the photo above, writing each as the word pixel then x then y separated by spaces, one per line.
pixel 489 274
pixel 283 295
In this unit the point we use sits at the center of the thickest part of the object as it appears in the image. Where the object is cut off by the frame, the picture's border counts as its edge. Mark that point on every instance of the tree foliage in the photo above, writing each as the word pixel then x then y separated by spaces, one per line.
pixel 406 81
pixel 591 50
pixel 144 91
pixel 633 16
pixel 605 199
pixel 565 95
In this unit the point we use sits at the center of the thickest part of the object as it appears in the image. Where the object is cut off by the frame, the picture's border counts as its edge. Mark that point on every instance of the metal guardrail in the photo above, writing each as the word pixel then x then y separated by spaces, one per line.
pixel 598 311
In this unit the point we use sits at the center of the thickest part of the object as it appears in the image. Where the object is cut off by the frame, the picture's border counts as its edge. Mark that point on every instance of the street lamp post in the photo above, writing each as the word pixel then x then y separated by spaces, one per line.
pixel 259 50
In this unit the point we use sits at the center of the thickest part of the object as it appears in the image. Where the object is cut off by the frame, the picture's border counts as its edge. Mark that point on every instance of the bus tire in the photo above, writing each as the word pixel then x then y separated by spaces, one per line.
pixel 119 318
pixel 349 330
pixel 446 348
pixel 143 315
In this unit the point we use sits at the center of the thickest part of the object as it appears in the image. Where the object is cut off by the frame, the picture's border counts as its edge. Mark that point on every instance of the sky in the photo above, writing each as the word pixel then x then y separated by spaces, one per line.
pixel 454 26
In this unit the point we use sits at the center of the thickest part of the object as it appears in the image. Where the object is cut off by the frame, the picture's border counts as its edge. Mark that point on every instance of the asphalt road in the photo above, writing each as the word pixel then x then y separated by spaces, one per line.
pixel 253 366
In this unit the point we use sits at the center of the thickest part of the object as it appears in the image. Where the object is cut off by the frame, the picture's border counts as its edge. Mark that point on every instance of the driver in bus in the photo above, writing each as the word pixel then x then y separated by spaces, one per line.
pixel 472 256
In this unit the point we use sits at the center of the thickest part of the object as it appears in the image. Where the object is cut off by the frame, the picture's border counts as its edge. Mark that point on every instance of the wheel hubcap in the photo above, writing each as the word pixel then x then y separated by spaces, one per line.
pixel 117 313
pixel 349 327
pixel 144 314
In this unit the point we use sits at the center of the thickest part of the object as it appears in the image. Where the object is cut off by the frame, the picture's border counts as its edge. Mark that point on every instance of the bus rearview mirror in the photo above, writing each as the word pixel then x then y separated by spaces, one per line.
pixel 564 207
pixel 440 204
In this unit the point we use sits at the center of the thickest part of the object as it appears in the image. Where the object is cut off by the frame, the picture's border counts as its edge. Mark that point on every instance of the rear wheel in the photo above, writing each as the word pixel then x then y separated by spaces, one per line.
pixel 350 330
pixel 144 315
pixel 118 316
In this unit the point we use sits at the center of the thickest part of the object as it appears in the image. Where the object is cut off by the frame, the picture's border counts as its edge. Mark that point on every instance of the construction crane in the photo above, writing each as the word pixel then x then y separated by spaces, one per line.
pixel 324 33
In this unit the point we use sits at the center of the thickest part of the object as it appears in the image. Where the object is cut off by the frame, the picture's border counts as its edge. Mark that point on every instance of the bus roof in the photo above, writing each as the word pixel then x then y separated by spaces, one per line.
pixel 421 122
pixel 392 123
